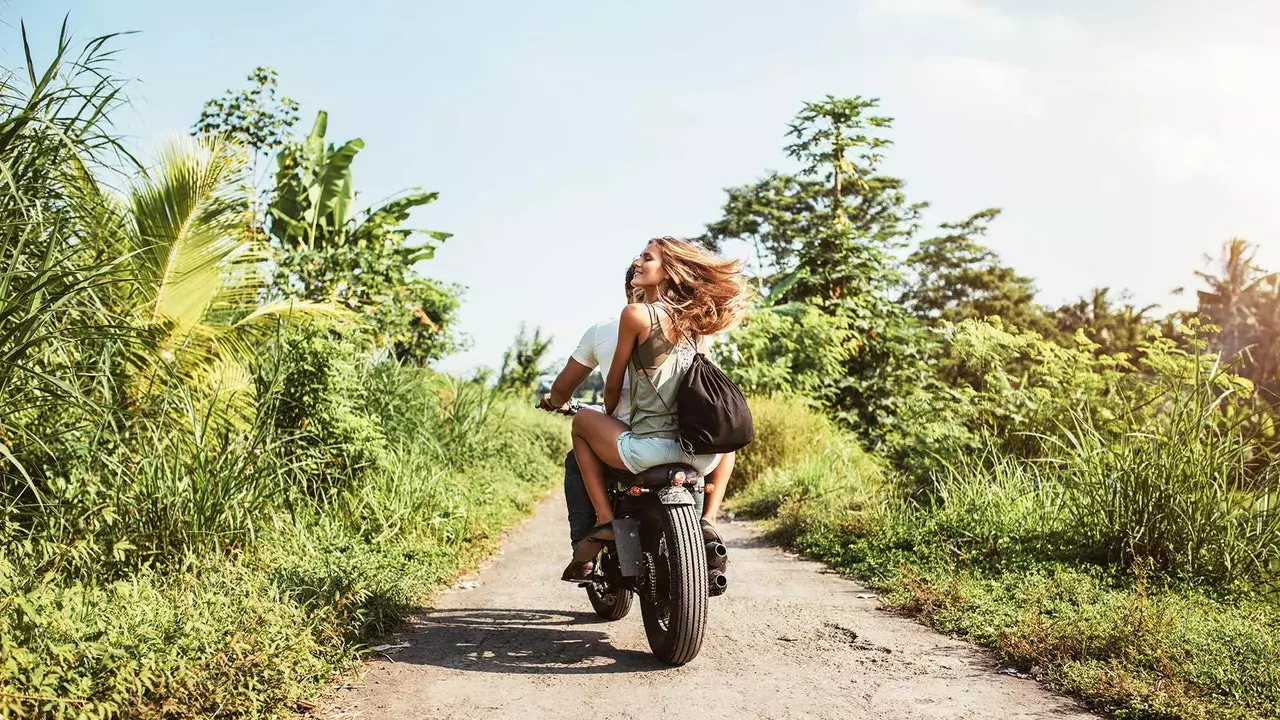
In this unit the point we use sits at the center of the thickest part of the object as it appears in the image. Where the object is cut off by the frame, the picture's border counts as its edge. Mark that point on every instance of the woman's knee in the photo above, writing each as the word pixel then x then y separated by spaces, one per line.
pixel 579 426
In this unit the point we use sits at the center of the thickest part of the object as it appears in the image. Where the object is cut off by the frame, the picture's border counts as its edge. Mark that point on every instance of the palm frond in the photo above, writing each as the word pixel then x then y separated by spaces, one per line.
pixel 189 218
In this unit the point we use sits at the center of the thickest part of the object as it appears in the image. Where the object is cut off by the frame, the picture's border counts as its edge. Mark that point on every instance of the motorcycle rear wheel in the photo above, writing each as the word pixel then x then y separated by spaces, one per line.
pixel 609 602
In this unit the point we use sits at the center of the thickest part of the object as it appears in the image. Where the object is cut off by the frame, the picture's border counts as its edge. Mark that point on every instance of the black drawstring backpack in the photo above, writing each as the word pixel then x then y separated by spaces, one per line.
pixel 711 411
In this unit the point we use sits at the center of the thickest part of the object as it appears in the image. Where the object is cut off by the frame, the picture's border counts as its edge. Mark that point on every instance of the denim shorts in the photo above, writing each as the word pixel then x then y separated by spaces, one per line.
pixel 641 453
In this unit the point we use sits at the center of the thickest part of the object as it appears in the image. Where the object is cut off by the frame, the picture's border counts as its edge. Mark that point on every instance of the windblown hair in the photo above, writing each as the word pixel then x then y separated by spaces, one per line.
pixel 706 294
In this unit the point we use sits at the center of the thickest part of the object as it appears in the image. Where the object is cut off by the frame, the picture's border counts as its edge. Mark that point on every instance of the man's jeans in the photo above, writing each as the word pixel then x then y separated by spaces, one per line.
pixel 582 516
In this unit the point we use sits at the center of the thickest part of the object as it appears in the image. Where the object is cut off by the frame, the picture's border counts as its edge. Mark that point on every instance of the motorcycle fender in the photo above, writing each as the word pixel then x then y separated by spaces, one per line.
pixel 626 535
pixel 673 495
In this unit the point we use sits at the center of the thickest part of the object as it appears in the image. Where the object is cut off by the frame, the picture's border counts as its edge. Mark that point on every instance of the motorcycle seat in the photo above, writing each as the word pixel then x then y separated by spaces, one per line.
pixel 665 474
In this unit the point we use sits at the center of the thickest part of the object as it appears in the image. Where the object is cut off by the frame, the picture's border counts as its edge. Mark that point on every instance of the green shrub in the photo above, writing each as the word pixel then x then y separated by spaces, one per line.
pixel 214 643
pixel 787 430
pixel 1179 497
pixel 313 394
pixel 1132 651
pixel 830 487
pixel 252 633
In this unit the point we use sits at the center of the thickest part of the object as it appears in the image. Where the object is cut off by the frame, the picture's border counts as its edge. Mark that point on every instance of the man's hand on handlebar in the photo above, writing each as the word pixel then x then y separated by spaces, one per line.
pixel 545 404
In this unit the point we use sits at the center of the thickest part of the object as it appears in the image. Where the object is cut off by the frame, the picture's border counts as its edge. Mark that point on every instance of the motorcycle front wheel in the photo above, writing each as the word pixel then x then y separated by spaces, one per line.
pixel 675 601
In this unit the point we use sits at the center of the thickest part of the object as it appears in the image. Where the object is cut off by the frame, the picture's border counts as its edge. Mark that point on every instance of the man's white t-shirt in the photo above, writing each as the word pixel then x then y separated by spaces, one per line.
pixel 595 350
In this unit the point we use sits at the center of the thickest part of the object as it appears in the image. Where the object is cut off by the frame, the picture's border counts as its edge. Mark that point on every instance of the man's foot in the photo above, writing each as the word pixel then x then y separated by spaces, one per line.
pixel 578 572
pixel 709 533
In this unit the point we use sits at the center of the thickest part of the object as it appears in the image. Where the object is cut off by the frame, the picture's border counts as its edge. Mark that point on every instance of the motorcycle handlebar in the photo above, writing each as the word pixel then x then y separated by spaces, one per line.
pixel 574 407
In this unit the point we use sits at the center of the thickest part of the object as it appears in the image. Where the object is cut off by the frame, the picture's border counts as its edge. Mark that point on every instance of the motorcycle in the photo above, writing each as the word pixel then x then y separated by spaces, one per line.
pixel 658 555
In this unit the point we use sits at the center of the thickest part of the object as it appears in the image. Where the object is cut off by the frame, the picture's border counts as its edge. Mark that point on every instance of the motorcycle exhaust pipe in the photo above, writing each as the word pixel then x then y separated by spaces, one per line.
pixel 717 556
pixel 718 583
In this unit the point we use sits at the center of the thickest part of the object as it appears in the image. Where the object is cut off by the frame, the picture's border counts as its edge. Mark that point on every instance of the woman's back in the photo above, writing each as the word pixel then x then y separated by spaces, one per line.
pixel 656 369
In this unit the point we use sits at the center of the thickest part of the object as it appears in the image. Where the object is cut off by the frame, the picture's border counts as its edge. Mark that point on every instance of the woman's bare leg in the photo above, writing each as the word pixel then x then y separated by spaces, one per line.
pixel 595 444
pixel 720 478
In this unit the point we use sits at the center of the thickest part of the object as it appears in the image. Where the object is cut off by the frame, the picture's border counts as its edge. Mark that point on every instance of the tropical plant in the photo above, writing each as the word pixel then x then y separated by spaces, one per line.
pixel 252 117
pixel 56 289
pixel 525 361
pixel 1114 329
pixel 957 278
pixel 198 277
pixel 1228 300
pixel 330 250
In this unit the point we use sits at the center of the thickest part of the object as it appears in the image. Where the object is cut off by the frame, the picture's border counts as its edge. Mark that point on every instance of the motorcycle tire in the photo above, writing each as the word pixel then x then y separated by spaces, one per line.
pixel 674 607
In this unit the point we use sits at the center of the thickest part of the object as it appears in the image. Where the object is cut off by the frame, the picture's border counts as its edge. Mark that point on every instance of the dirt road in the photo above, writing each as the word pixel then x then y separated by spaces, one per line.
pixel 789 640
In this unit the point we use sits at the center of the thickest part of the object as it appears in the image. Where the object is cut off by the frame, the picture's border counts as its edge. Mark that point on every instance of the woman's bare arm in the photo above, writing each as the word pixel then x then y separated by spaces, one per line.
pixel 632 322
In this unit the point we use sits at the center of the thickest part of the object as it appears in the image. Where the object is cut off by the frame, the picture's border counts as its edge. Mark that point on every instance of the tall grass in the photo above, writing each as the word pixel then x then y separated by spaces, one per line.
pixel 57 263
pixel 1181 496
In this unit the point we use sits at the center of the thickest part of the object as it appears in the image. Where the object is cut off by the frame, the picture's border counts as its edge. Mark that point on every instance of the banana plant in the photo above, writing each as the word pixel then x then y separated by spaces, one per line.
pixel 329 250
pixel 314 205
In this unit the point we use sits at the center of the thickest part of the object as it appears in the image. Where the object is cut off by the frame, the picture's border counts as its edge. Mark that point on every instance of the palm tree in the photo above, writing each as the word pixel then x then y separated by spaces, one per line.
pixel 1115 329
pixel 198 269
pixel 1227 302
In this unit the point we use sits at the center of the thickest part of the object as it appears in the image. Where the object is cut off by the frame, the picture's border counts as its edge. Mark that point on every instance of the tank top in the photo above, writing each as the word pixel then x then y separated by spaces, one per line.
pixel 657 359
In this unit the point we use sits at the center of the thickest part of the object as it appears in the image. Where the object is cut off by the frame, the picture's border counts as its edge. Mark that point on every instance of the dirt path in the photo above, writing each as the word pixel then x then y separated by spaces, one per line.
pixel 789 640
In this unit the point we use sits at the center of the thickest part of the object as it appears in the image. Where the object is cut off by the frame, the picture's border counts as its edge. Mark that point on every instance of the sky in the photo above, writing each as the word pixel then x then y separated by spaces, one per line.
pixel 1122 140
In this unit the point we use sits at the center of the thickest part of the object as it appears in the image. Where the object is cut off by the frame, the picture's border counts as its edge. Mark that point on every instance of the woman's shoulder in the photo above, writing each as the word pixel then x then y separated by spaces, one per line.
pixel 635 315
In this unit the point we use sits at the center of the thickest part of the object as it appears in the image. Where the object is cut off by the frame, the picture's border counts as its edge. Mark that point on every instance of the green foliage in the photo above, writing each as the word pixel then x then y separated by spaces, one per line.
pixel 195 267
pixel 830 233
pixel 789 349
pixel 205 509
pixel 313 396
pixel 54 286
pixel 957 278
pixel 996 556
pixel 829 230
pixel 1114 330
pixel 252 117
pixel 1243 301
pixel 252 633
pixel 787 429
pixel 327 250
pixel 524 362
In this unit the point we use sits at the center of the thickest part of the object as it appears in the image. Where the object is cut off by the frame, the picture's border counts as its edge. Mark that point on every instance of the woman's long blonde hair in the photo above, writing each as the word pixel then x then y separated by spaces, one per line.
pixel 704 293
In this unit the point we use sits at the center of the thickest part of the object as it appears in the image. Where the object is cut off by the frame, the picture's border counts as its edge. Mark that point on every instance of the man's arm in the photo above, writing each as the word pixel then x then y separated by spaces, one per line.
pixel 567 382
pixel 579 367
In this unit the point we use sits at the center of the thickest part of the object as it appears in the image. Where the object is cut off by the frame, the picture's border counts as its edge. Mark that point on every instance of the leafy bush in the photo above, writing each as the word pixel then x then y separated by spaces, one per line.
pixel 794 349
pixel 787 430
pixel 314 397
pixel 251 634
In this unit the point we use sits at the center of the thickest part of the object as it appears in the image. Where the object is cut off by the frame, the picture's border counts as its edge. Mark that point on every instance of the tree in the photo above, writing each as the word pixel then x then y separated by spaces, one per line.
pixel 1243 301
pixel 826 233
pixel 363 259
pixel 253 117
pixel 1230 300
pixel 957 278
pixel 786 350
pixel 525 361
pixel 1114 329
pixel 197 274
pixel 826 237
